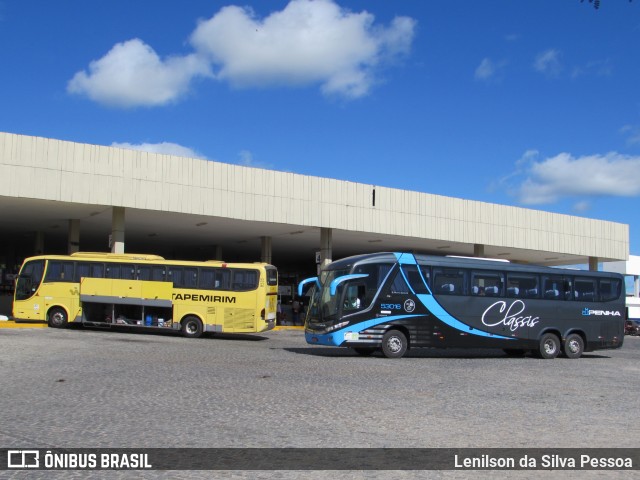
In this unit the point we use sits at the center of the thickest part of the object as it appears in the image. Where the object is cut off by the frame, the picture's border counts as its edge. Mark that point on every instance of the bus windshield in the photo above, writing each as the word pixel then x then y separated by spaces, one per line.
pixel 29 279
pixel 324 307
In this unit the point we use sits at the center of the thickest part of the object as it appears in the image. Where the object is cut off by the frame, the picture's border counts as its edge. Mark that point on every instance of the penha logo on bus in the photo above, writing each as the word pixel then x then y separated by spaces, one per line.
pixel 600 313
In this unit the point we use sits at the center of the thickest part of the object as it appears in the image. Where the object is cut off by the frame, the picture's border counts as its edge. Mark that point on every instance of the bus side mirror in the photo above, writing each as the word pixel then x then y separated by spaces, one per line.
pixel 334 285
pixel 305 281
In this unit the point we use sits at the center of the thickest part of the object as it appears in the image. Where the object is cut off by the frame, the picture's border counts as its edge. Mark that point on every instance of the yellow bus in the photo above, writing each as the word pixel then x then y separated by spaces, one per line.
pixel 147 291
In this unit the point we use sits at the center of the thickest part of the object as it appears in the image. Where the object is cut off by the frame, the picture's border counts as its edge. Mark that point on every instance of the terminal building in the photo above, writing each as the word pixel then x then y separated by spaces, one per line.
pixel 631 270
pixel 61 197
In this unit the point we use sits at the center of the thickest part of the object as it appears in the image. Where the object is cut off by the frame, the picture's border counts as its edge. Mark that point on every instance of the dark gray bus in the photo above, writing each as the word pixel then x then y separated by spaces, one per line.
pixel 396 301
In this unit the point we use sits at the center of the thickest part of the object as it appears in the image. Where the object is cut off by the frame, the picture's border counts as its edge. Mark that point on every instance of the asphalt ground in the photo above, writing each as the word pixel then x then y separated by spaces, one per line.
pixel 84 388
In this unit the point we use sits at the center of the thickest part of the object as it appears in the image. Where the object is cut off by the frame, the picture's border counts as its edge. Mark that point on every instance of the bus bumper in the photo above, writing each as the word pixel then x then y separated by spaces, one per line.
pixel 333 339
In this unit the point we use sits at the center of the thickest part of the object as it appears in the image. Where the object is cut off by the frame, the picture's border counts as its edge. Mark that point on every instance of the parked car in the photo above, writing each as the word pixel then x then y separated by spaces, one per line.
pixel 632 327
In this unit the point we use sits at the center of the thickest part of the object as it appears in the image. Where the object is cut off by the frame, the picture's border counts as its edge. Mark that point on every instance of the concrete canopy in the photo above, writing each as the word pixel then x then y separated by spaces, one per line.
pixel 186 208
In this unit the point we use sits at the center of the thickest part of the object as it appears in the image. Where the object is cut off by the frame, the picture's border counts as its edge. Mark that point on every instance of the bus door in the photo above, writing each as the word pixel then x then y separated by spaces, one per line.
pixel 28 304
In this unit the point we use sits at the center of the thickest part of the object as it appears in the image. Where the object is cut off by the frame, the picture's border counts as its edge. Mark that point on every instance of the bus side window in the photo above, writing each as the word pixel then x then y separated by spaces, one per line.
pixel 157 273
pixel 59 272
pixel 376 276
pixel 83 270
pixel 144 272
pixel 223 279
pixel 415 279
pixel 190 277
pixel 272 276
pixel 557 287
pixel 174 274
pixel 522 285
pixel 207 278
pixel 127 272
pixel 609 289
pixel 585 289
pixel 488 284
pixel 112 271
pixel 354 298
pixel 551 287
pixel 449 281
pixel 97 270
pixel 426 274
pixel 399 286
pixel 244 280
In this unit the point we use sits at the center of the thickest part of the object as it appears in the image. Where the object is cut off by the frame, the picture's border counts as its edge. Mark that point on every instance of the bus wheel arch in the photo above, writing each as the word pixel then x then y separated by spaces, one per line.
pixel 191 326
pixel 395 342
pixel 549 346
pixel 57 317
pixel 573 345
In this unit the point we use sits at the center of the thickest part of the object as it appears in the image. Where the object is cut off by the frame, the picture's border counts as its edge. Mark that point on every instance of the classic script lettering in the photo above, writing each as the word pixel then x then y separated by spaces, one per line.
pixel 510 316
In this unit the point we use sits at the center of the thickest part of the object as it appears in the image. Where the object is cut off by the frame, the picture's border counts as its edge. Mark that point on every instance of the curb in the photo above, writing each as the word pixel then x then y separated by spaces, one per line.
pixel 289 327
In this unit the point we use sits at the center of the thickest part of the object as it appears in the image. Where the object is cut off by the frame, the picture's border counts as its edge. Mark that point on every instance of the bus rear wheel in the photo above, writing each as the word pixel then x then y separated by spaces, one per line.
pixel 192 327
pixel 549 346
pixel 57 318
pixel 573 346
pixel 394 344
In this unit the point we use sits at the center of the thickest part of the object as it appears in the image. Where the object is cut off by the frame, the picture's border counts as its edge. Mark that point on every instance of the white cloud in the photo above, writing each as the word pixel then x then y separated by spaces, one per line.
pixel 132 74
pixel 488 69
pixel 633 134
pixel 548 63
pixel 308 42
pixel 246 159
pixel 165 148
pixel 485 70
pixel 563 176
pixel 582 206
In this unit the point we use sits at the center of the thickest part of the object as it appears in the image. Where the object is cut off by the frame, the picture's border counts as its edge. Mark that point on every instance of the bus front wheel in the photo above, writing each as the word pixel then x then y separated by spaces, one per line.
pixel 192 327
pixel 394 344
pixel 549 346
pixel 573 346
pixel 57 318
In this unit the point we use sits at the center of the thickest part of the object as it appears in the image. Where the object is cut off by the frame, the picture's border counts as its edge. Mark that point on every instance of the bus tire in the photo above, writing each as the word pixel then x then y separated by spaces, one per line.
pixel 549 346
pixel 573 346
pixel 394 344
pixel 191 327
pixel 57 318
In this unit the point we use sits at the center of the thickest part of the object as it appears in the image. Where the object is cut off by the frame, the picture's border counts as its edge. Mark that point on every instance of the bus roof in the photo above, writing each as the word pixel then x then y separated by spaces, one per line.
pixel 460 262
pixel 143 258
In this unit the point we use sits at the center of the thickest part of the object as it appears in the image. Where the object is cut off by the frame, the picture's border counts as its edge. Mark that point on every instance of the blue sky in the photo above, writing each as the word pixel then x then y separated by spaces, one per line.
pixel 526 103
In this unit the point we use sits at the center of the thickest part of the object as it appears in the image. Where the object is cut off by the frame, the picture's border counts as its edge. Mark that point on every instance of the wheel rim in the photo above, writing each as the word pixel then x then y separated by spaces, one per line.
pixel 57 318
pixel 192 327
pixel 394 344
pixel 574 346
pixel 550 347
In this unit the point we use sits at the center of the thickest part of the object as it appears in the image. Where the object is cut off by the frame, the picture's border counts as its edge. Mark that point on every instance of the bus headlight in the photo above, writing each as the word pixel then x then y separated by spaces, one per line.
pixel 337 326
